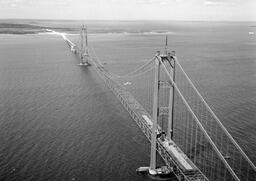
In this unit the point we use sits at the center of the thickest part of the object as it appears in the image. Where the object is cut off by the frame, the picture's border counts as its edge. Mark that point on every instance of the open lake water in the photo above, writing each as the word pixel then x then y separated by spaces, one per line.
pixel 58 121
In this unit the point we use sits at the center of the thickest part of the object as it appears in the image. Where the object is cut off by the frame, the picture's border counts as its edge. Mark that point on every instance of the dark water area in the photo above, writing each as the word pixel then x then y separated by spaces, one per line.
pixel 58 121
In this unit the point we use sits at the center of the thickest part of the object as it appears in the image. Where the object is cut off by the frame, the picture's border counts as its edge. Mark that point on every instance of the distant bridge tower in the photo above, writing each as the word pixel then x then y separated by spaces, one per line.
pixel 84 54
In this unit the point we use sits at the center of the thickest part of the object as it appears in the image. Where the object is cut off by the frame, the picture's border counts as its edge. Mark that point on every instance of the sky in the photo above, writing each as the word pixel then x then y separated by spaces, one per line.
pixel 205 10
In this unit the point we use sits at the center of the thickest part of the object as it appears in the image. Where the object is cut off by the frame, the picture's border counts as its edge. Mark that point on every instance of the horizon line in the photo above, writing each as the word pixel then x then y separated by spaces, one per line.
pixel 48 19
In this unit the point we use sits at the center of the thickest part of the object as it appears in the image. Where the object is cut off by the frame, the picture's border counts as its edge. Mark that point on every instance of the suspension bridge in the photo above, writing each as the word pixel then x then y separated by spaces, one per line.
pixel 175 118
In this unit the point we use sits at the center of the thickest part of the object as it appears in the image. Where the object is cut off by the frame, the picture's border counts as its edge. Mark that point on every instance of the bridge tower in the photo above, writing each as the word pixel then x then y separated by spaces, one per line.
pixel 152 168
pixel 167 57
pixel 170 58
pixel 157 110
pixel 84 53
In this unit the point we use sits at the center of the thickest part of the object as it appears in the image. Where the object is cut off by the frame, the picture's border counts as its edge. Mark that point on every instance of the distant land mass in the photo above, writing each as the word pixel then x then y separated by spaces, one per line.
pixel 29 26
pixel 26 28
pixel 9 28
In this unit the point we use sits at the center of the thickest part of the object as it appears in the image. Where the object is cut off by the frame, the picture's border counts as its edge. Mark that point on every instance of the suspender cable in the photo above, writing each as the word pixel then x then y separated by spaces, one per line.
pixel 216 118
pixel 199 124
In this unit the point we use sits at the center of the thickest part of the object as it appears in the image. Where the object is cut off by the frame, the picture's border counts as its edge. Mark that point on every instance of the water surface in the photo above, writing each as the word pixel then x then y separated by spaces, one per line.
pixel 58 121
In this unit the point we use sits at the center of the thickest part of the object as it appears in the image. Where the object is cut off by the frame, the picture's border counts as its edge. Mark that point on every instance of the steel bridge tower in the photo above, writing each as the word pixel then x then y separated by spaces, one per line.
pixel 84 53
pixel 158 111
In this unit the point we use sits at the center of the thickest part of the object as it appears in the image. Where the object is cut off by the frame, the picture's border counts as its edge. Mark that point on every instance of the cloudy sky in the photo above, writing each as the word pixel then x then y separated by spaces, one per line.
pixel 228 10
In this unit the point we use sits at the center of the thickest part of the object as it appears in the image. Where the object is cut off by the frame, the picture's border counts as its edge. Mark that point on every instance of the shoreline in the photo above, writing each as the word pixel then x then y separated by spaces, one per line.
pixel 23 28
